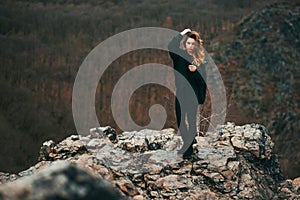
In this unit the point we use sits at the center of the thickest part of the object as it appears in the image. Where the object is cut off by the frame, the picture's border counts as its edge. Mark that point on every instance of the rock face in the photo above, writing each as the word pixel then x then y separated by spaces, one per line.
pixel 261 70
pixel 268 65
pixel 234 162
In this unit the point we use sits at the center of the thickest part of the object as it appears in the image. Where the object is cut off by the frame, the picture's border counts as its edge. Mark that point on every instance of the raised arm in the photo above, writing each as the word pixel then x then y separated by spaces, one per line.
pixel 174 44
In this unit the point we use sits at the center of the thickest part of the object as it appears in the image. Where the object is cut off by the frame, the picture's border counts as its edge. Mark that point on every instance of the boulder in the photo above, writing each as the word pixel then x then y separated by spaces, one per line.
pixel 234 162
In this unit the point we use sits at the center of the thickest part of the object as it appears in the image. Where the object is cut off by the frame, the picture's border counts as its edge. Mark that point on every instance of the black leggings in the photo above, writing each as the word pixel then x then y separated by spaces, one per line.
pixel 186 108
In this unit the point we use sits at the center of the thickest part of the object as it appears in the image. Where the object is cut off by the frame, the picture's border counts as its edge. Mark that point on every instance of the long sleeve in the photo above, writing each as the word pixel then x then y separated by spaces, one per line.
pixel 173 47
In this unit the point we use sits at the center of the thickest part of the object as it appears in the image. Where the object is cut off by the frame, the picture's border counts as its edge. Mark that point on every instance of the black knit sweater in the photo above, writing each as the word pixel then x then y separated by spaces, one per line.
pixel 181 61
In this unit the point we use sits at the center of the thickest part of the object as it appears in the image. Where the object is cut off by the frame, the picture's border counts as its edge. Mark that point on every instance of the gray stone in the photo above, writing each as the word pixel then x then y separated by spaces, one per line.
pixel 60 181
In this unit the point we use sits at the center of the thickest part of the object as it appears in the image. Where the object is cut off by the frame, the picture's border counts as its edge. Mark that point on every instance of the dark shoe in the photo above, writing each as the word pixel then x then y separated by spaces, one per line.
pixel 194 141
pixel 188 153
pixel 200 134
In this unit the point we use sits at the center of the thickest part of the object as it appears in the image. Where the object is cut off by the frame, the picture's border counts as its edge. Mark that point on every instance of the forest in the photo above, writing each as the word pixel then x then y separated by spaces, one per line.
pixel 43 44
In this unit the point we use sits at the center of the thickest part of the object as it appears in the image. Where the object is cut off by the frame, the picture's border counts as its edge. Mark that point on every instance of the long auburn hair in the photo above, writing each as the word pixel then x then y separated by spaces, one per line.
pixel 198 54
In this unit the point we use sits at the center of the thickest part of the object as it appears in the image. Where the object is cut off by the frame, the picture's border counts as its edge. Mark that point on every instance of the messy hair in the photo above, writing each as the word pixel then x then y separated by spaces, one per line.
pixel 198 54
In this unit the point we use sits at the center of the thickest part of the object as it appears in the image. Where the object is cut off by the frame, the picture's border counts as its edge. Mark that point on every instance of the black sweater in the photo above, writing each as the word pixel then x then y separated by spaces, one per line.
pixel 181 61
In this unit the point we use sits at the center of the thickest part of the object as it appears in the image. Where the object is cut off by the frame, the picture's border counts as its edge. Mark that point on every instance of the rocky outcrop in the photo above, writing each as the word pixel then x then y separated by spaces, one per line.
pixel 260 63
pixel 234 162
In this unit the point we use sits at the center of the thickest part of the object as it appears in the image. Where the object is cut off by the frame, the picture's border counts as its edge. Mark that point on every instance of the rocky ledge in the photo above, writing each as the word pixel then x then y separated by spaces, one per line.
pixel 234 162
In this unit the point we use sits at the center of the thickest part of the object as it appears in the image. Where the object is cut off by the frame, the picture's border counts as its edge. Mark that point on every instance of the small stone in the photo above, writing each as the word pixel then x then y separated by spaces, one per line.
pixel 127 187
pixel 138 197
pixel 74 137
pixel 154 194
pixel 93 144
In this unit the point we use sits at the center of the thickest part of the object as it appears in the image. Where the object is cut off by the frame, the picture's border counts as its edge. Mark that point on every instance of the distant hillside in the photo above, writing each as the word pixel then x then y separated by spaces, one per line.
pixel 261 64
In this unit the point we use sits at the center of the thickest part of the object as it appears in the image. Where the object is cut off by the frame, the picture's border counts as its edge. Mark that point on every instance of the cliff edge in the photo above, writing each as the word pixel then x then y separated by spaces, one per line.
pixel 233 162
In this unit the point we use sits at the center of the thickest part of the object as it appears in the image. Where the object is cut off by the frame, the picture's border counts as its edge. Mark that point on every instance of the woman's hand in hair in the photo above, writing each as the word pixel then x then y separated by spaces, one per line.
pixel 185 31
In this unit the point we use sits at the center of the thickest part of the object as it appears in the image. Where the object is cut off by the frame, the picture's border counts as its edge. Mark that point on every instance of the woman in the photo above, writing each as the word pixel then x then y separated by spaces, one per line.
pixel 188 58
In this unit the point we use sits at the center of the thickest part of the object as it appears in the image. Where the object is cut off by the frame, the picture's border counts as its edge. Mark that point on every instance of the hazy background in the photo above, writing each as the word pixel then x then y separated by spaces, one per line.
pixel 44 42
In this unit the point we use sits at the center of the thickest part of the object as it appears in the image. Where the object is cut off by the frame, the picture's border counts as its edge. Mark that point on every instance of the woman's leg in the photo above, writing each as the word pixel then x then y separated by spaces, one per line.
pixel 177 112
pixel 181 112
pixel 192 131
pixel 187 107
pixel 192 119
